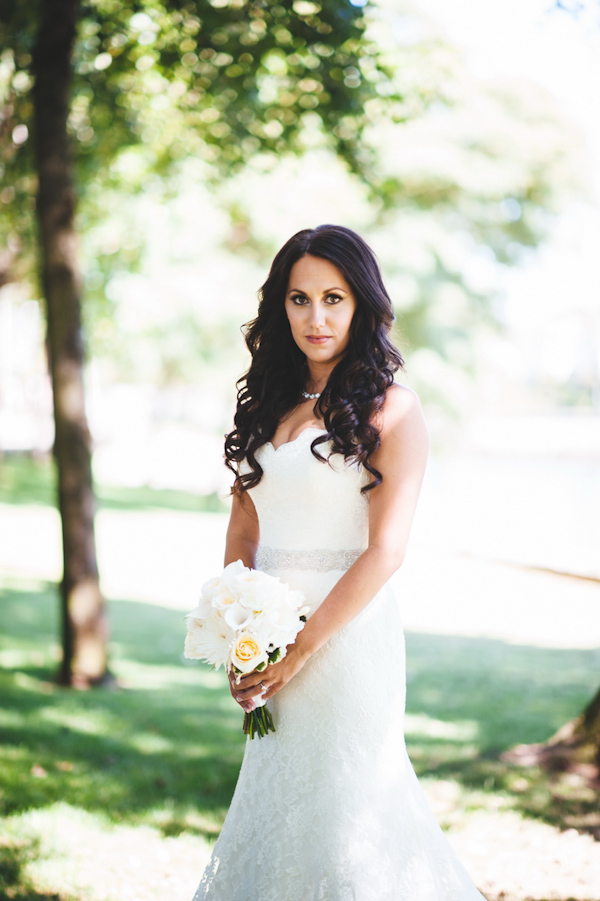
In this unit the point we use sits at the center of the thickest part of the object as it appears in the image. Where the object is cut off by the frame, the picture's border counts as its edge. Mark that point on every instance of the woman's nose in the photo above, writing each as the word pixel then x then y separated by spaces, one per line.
pixel 317 316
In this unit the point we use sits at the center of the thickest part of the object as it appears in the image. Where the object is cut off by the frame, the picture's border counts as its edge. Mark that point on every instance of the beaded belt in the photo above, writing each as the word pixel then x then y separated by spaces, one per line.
pixel 317 561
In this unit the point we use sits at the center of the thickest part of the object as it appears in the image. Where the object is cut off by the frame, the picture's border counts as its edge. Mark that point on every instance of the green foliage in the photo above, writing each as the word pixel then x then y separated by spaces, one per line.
pixel 222 81
pixel 235 87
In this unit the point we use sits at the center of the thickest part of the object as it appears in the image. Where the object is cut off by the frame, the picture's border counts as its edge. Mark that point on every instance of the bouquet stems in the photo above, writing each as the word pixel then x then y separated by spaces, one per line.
pixel 258 722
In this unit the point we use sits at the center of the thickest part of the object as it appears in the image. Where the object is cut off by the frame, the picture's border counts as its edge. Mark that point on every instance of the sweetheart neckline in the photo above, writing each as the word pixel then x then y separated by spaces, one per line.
pixel 309 428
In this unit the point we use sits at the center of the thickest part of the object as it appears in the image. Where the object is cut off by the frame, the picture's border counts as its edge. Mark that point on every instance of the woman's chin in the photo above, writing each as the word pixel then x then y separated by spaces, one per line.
pixel 322 353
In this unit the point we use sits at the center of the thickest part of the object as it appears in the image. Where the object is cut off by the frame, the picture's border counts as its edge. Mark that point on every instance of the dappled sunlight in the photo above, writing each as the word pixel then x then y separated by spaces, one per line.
pixel 420 724
pixel 160 758
pixel 466 152
pixel 15 658
pixel 174 734
pixel 148 677
pixel 154 556
pixel 446 592
pixel 30 543
pixel 150 743
pixel 120 854
pixel 90 722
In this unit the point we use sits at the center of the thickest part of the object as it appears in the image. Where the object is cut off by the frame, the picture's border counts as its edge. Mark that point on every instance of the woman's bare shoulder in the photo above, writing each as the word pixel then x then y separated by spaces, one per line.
pixel 401 407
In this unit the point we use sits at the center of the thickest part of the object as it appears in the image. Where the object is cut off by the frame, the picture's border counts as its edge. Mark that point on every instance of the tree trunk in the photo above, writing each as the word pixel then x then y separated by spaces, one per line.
pixel 83 611
pixel 574 748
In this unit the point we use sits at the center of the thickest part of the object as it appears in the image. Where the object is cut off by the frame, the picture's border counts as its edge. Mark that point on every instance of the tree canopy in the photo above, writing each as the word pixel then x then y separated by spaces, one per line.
pixel 222 81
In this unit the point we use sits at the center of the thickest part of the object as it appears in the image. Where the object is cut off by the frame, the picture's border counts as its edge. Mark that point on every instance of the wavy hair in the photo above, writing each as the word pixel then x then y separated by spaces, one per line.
pixel 278 372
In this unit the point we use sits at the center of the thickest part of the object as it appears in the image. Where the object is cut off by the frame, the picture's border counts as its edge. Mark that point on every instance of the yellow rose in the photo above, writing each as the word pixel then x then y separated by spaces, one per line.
pixel 247 654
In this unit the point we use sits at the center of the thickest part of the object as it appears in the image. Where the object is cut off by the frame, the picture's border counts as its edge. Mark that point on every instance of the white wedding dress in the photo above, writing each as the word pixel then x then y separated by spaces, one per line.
pixel 328 808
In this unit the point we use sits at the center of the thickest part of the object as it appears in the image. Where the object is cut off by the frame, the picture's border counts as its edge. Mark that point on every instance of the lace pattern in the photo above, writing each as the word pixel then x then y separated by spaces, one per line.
pixel 328 807
pixel 320 561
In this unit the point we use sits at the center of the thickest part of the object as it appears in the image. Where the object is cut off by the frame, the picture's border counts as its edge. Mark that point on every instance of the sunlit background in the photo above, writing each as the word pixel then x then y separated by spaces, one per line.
pixel 502 341
pixel 493 263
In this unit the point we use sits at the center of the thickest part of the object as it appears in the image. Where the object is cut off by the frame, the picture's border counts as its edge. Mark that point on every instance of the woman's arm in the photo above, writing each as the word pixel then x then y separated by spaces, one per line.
pixel 241 544
pixel 242 532
pixel 401 460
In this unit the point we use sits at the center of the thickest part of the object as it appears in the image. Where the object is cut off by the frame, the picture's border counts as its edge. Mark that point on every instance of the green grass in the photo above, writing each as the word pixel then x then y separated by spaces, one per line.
pixel 15 883
pixel 493 695
pixel 28 480
pixel 164 749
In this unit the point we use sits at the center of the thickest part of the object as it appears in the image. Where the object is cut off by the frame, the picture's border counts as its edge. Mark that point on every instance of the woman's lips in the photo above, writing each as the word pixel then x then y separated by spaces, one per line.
pixel 318 339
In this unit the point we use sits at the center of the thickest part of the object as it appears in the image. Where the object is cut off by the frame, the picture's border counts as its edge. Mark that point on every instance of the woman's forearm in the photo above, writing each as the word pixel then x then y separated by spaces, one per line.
pixel 357 587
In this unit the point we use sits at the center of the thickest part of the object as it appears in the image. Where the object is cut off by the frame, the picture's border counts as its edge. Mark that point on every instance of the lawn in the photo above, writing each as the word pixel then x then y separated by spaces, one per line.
pixel 162 750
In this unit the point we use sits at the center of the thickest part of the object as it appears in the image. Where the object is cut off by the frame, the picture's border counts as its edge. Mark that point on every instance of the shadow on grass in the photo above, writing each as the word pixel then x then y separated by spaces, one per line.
pixel 14 883
pixel 503 695
pixel 31 480
pixel 166 748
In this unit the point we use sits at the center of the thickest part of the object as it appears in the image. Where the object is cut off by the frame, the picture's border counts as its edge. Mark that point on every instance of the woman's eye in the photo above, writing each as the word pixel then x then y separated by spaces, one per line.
pixel 333 298
pixel 298 299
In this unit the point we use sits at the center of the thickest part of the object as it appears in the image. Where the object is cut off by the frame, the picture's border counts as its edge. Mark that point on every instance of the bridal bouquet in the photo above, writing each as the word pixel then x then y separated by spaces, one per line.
pixel 244 622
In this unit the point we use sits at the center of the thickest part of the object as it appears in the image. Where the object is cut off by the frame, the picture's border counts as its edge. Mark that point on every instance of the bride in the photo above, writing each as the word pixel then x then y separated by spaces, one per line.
pixel 329 456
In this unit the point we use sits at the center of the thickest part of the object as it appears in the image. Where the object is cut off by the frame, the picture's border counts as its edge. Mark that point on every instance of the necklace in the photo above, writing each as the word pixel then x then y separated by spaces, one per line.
pixel 308 396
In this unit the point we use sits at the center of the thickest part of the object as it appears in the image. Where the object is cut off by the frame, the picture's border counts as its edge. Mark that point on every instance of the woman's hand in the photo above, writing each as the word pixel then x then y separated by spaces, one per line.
pixel 247 704
pixel 271 680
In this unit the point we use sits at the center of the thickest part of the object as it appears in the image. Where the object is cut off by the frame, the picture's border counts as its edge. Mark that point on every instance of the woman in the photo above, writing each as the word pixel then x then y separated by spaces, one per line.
pixel 329 456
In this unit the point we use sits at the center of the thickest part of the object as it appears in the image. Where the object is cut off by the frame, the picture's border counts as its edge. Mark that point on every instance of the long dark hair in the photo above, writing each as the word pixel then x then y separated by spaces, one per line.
pixel 278 372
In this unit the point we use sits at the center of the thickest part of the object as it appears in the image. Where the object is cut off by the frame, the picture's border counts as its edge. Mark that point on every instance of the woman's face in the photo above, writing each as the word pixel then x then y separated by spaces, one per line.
pixel 320 305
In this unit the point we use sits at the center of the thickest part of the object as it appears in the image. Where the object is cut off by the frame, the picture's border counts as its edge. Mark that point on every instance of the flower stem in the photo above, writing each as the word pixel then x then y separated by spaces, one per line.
pixel 258 722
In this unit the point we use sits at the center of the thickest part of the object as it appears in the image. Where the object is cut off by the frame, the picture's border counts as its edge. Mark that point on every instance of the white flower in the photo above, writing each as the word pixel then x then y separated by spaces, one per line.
pixel 259 595
pixel 212 587
pixel 200 612
pixel 243 616
pixel 225 598
pixel 210 640
pixel 291 597
pixel 232 571
pixel 284 627
pixel 237 617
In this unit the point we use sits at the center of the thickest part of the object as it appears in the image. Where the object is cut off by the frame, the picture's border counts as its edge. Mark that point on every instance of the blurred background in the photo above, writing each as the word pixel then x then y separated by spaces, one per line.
pixel 463 142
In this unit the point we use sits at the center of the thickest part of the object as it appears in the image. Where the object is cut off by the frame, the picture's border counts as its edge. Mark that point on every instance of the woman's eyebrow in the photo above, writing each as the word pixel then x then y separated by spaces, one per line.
pixel 327 290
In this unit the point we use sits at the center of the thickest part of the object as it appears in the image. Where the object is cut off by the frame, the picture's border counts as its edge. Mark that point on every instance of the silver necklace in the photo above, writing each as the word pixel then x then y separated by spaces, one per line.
pixel 308 396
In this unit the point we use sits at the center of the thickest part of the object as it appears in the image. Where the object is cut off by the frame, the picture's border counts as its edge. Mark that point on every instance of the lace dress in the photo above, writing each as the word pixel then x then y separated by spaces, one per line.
pixel 328 808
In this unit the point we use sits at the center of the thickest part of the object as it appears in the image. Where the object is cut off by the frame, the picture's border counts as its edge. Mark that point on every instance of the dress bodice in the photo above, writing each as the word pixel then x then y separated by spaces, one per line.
pixel 306 505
